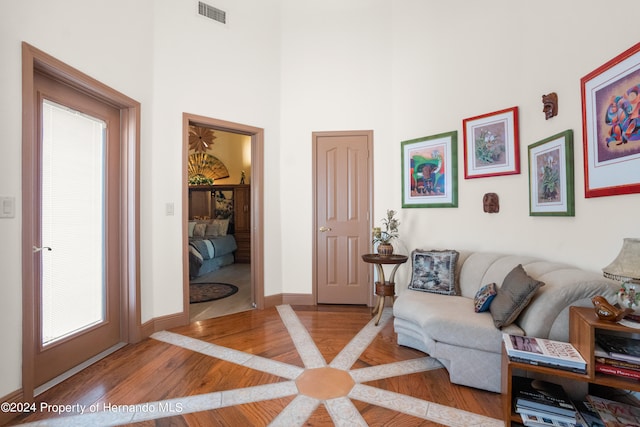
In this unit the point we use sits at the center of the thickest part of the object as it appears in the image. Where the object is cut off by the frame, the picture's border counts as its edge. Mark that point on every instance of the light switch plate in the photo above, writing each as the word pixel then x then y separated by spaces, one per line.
pixel 7 207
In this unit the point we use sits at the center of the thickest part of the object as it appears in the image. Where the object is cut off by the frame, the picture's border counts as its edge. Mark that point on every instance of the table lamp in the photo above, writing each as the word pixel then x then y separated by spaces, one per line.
pixel 626 269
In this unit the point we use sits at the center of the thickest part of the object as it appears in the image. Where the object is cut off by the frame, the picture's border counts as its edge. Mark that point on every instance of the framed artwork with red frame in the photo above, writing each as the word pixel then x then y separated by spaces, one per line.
pixel 611 126
pixel 491 144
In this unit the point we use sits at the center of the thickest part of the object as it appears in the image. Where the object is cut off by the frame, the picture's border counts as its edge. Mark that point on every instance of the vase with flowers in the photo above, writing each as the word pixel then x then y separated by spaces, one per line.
pixel 629 296
pixel 384 237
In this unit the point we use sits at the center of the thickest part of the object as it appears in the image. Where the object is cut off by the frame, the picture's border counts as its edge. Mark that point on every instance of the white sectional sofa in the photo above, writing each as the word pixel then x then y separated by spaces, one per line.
pixel 467 343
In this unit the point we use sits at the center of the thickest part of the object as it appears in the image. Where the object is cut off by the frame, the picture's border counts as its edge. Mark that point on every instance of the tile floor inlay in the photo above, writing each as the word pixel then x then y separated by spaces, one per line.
pixel 325 383
pixel 338 403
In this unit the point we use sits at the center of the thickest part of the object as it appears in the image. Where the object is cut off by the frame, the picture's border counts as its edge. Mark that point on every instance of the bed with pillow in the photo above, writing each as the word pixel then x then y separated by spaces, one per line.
pixel 211 246
pixel 458 303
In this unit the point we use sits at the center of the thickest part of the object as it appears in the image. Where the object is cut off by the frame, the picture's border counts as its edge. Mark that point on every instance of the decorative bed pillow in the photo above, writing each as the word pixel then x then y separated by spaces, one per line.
pixel 222 226
pixel 199 229
pixel 192 225
pixel 483 298
pixel 434 271
pixel 514 295
pixel 212 230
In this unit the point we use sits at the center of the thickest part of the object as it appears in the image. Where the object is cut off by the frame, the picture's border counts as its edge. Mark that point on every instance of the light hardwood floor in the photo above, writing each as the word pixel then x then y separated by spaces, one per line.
pixel 242 370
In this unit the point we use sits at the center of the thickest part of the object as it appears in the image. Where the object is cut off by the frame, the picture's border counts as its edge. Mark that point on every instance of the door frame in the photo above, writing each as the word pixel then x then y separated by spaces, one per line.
pixel 257 196
pixel 314 168
pixel 35 60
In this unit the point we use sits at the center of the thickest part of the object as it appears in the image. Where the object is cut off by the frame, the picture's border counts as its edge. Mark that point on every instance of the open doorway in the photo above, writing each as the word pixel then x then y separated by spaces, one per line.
pixel 222 211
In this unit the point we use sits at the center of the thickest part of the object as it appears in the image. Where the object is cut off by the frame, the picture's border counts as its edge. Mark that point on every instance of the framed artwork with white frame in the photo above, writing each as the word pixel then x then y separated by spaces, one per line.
pixel 611 126
pixel 491 144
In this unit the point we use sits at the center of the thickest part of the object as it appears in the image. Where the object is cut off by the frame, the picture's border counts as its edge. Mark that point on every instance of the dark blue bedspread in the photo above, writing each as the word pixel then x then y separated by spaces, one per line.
pixel 215 247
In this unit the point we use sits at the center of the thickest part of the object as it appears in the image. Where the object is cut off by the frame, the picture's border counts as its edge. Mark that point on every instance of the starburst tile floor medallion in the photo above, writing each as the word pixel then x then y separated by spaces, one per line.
pixel 333 385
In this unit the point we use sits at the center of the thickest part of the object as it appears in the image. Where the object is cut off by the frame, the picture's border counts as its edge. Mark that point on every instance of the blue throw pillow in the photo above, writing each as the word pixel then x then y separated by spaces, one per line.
pixel 483 298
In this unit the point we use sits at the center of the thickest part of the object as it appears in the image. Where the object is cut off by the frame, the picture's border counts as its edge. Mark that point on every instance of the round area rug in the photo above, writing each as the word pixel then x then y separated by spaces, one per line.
pixel 202 292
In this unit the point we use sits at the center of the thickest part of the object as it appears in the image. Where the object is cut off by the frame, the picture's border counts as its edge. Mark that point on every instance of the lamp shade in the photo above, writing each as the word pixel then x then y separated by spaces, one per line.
pixel 626 266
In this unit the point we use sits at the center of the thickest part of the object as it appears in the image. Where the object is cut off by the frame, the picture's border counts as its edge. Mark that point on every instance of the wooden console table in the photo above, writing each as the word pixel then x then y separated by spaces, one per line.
pixel 384 288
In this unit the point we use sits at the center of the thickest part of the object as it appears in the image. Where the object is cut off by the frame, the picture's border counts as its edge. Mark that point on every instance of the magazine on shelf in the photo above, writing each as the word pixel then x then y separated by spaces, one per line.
pixel 599 351
pixel 540 421
pixel 531 395
pixel 617 363
pixel 604 357
pixel 543 350
pixel 587 415
pixel 614 370
pixel 615 414
pixel 621 348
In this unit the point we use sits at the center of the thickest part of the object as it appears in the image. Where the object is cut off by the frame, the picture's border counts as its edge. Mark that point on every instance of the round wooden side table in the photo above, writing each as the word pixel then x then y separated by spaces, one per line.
pixel 384 288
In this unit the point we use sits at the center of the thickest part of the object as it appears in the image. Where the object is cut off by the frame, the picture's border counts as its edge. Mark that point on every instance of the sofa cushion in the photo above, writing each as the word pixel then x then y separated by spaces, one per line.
pixel 481 268
pixel 434 271
pixel 450 319
pixel 513 296
pixel 547 316
pixel 483 298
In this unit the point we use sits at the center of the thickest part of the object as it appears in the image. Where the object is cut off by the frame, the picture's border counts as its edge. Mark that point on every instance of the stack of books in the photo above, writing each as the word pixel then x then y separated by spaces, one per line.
pixel 542 403
pixel 617 355
pixel 544 352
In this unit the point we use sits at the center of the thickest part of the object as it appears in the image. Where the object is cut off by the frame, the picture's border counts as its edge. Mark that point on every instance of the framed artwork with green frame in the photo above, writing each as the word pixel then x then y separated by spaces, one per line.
pixel 551 176
pixel 430 171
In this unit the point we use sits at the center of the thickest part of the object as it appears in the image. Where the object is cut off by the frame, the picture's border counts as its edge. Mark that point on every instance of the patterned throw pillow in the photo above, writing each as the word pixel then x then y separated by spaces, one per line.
pixel 434 271
pixel 483 298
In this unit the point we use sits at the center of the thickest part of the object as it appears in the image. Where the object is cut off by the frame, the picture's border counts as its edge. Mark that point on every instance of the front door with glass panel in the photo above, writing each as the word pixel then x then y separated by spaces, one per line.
pixel 78 295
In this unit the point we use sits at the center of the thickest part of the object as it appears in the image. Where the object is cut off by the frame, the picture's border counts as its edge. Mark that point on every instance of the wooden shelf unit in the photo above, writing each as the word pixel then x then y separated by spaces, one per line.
pixel 583 324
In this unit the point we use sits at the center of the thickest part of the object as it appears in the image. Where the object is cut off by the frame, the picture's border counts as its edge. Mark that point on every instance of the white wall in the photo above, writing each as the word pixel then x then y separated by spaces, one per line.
pixel 83 37
pixel 416 68
pixel 227 72
pixel 336 74
pixel 172 60
pixel 404 69
pixel 458 59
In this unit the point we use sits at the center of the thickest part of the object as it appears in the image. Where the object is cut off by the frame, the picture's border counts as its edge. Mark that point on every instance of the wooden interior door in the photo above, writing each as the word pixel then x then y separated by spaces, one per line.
pixel 242 215
pixel 343 189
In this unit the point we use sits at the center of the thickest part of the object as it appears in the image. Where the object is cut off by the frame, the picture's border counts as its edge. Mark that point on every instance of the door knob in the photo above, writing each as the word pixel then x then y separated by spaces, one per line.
pixel 324 229
pixel 37 249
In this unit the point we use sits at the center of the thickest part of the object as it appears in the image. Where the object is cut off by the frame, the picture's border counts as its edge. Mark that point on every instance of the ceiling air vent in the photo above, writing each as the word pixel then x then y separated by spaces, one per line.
pixel 212 12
